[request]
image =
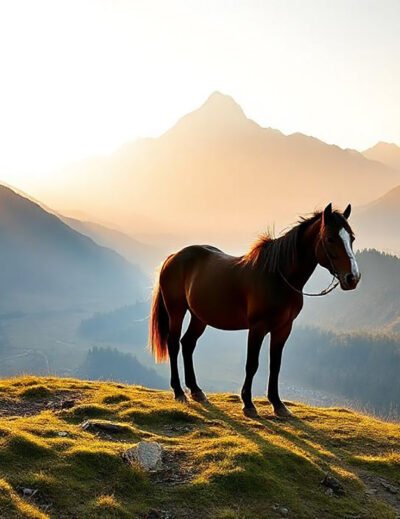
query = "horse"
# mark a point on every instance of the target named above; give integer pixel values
(261, 292)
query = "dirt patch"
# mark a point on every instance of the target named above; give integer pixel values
(177, 430)
(28, 407)
(176, 469)
(383, 489)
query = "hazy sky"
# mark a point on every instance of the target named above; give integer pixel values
(82, 77)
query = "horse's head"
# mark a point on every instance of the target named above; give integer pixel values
(335, 247)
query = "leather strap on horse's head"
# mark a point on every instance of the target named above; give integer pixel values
(332, 285)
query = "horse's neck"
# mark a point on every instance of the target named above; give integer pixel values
(306, 259)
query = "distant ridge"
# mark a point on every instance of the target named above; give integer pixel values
(385, 152)
(373, 307)
(377, 223)
(146, 256)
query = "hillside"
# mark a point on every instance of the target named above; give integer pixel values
(138, 253)
(46, 265)
(216, 169)
(216, 463)
(373, 306)
(385, 152)
(377, 223)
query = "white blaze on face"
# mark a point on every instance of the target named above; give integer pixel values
(345, 236)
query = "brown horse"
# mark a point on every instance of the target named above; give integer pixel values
(260, 291)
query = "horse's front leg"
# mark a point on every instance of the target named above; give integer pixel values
(278, 340)
(254, 342)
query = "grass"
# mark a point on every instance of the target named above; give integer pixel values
(219, 464)
(35, 391)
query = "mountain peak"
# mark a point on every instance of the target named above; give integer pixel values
(218, 113)
(222, 105)
(218, 99)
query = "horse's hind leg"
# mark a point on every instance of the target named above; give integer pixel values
(189, 341)
(176, 314)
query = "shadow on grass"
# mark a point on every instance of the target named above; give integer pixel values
(287, 470)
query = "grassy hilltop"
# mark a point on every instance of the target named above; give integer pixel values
(217, 464)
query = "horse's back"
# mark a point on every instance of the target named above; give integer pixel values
(192, 254)
(198, 251)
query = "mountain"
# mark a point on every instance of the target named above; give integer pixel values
(377, 223)
(217, 172)
(46, 265)
(215, 462)
(144, 255)
(385, 152)
(373, 306)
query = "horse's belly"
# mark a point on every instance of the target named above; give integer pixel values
(220, 307)
(222, 322)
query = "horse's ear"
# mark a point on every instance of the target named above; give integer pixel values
(347, 212)
(327, 213)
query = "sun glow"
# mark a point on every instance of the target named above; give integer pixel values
(80, 78)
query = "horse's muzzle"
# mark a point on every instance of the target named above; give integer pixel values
(349, 281)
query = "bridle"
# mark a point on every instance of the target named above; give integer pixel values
(332, 285)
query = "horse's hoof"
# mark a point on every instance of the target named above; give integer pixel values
(181, 398)
(199, 396)
(282, 412)
(250, 412)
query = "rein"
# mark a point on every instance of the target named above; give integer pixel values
(332, 285)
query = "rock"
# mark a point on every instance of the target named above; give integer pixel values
(62, 434)
(334, 484)
(159, 514)
(147, 454)
(108, 427)
(390, 488)
(281, 509)
(29, 492)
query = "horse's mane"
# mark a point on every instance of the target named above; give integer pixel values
(271, 254)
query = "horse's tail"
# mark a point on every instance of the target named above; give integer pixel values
(158, 326)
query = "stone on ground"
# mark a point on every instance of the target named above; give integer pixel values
(147, 454)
